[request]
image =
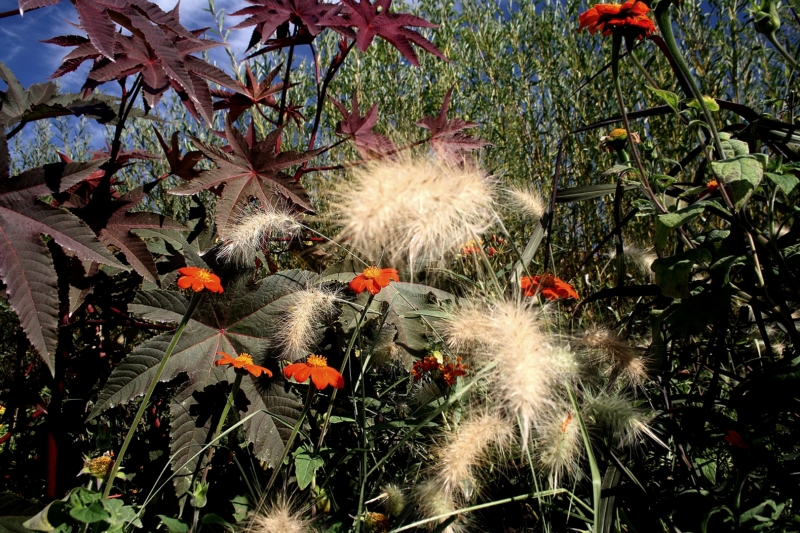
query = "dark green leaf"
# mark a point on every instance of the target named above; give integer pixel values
(672, 273)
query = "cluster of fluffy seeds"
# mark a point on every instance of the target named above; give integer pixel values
(559, 445)
(640, 258)
(626, 423)
(467, 450)
(529, 370)
(244, 239)
(414, 211)
(302, 313)
(527, 201)
(622, 359)
(279, 518)
(433, 502)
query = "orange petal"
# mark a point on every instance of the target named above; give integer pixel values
(184, 282)
(320, 378)
(189, 271)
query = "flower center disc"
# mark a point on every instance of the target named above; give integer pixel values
(547, 280)
(246, 359)
(372, 272)
(203, 275)
(317, 361)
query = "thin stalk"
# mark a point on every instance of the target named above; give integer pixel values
(772, 38)
(295, 429)
(597, 480)
(344, 364)
(521, 497)
(282, 108)
(364, 443)
(146, 400)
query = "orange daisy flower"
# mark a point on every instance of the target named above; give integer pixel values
(629, 18)
(244, 363)
(374, 279)
(317, 368)
(548, 285)
(198, 279)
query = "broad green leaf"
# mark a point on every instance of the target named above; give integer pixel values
(305, 468)
(668, 97)
(672, 273)
(89, 515)
(721, 269)
(711, 104)
(276, 410)
(682, 216)
(786, 182)
(173, 524)
(217, 520)
(741, 175)
(733, 147)
(14, 524)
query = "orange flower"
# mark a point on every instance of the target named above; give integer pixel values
(244, 362)
(550, 286)
(629, 18)
(317, 368)
(374, 279)
(198, 279)
(712, 186)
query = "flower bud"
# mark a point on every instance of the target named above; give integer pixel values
(766, 18)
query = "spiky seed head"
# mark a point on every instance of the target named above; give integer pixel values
(303, 313)
(252, 231)
(414, 210)
(467, 450)
(623, 359)
(395, 499)
(530, 367)
(527, 200)
(433, 501)
(625, 422)
(640, 258)
(279, 517)
(559, 446)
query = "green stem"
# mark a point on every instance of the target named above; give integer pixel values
(344, 364)
(664, 21)
(779, 47)
(295, 430)
(146, 400)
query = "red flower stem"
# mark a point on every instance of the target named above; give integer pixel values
(140, 413)
(286, 77)
(350, 345)
(295, 430)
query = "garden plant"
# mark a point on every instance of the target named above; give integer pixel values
(434, 267)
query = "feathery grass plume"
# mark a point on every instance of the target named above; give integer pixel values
(462, 456)
(413, 210)
(527, 200)
(432, 501)
(300, 322)
(623, 359)
(395, 499)
(279, 517)
(625, 422)
(530, 367)
(640, 258)
(559, 445)
(252, 231)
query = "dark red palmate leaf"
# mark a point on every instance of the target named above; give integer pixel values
(252, 169)
(375, 19)
(447, 136)
(268, 15)
(251, 93)
(359, 129)
(181, 166)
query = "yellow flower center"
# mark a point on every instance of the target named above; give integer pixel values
(100, 466)
(246, 359)
(618, 133)
(372, 272)
(317, 361)
(204, 275)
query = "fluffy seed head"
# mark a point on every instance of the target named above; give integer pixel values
(559, 446)
(433, 501)
(303, 313)
(249, 235)
(529, 369)
(279, 518)
(527, 200)
(395, 499)
(624, 360)
(641, 259)
(414, 210)
(467, 450)
(626, 423)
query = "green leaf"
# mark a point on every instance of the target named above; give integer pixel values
(215, 519)
(267, 402)
(711, 104)
(669, 98)
(721, 269)
(733, 147)
(672, 273)
(305, 468)
(682, 216)
(785, 182)
(173, 524)
(13, 524)
(741, 175)
(89, 515)
(587, 192)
